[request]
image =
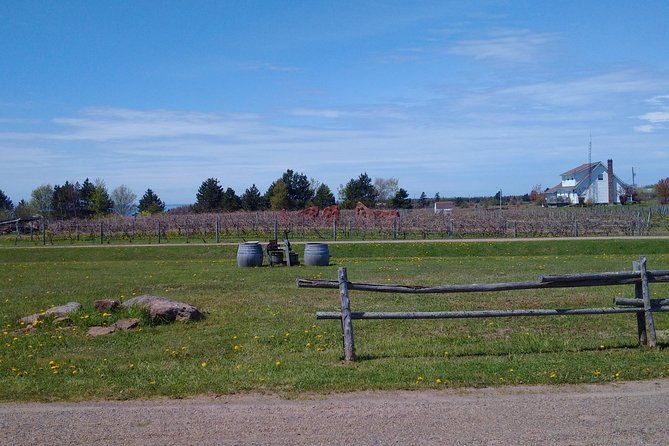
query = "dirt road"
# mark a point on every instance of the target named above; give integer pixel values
(634, 413)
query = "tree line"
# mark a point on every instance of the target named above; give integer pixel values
(291, 191)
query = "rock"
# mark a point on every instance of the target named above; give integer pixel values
(30, 320)
(165, 310)
(63, 310)
(63, 320)
(127, 324)
(103, 305)
(121, 324)
(101, 331)
(59, 311)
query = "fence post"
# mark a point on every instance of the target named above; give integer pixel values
(346, 321)
(158, 231)
(276, 230)
(102, 235)
(649, 325)
(640, 317)
(334, 230)
(43, 232)
(218, 230)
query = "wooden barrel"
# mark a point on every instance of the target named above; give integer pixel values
(249, 254)
(316, 254)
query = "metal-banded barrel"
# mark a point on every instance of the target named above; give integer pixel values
(316, 254)
(249, 254)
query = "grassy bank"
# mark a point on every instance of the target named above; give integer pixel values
(260, 333)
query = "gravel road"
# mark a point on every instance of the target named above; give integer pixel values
(635, 413)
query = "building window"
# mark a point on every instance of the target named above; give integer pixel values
(601, 177)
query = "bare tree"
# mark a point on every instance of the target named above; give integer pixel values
(124, 200)
(662, 190)
(386, 188)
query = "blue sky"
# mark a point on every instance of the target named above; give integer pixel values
(456, 97)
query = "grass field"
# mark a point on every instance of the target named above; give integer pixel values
(261, 335)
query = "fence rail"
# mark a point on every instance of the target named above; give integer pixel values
(641, 305)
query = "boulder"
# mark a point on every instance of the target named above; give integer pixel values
(165, 310)
(63, 310)
(59, 311)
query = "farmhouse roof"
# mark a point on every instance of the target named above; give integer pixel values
(444, 205)
(581, 168)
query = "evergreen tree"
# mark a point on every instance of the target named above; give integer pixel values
(360, 189)
(298, 189)
(422, 200)
(66, 201)
(401, 200)
(6, 206)
(150, 203)
(324, 196)
(209, 196)
(252, 200)
(230, 201)
(86, 191)
(99, 202)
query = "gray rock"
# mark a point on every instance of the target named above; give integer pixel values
(121, 324)
(30, 320)
(59, 311)
(165, 310)
(101, 331)
(126, 324)
(63, 310)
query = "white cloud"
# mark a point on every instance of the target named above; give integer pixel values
(644, 128)
(104, 124)
(655, 119)
(506, 46)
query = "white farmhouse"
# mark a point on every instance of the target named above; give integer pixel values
(588, 183)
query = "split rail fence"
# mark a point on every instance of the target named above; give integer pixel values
(642, 305)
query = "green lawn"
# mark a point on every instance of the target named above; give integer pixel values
(260, 333)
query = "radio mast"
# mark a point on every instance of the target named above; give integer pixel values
(593, 190)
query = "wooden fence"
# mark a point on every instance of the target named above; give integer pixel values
(642, 305)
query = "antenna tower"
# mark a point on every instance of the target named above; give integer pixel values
(592, 190)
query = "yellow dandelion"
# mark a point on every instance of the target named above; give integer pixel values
(203, 364)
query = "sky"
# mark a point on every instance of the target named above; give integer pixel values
(460, 98)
